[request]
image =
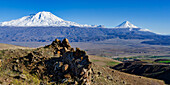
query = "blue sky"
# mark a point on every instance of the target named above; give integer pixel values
(150, 14)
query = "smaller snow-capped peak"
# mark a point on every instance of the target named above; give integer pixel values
(126, 24)
(131, 27)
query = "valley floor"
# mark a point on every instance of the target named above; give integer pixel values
(111, 48)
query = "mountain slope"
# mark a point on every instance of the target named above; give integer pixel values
(41, 19)
(130, 26)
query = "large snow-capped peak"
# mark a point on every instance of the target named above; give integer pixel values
(41, 19)
(126, 24)
(46, 16)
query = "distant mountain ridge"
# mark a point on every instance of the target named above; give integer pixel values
(78, 34)
(74, 34)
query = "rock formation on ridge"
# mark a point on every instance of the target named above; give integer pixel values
(57, 63)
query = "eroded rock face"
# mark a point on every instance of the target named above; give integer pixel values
(59, 63)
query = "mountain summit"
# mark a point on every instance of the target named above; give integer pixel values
(126, 24)
(41, 19)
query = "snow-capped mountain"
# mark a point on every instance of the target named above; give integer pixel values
(127, 24)
(42, 19)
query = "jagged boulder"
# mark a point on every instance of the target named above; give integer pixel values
(65, 67)
(79, 64)
(66, 43)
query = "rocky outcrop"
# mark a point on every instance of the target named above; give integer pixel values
(57, 63)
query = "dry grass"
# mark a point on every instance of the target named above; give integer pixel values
(103, 61)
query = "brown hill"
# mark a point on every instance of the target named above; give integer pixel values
(158, 71)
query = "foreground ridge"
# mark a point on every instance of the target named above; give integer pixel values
(58, 63)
